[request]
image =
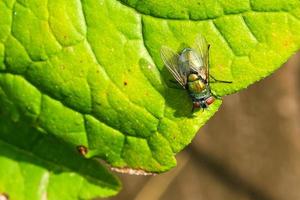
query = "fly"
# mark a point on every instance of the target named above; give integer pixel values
(190, 69)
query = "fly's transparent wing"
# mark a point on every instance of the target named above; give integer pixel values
(170, 58)
(202, 48)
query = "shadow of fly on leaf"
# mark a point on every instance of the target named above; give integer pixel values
(190, 69)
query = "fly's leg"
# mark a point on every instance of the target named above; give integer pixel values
(215, 95)
(218, 81)
(193, 108)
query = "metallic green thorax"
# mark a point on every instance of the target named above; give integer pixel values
(197, 88)
(195, 85)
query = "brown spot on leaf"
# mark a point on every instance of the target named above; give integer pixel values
(125, 83)
(82, 150)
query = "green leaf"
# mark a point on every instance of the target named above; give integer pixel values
(45, 168)
(89, 72)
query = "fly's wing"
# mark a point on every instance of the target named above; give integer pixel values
(170, 58)
(202, 48)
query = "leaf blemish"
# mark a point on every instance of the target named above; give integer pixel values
(82, 150)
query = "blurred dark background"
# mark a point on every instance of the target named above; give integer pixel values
(250, 150)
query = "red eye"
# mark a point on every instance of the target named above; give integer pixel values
(196, 104)
(209, 100)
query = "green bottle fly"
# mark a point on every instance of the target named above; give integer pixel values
(190, 69)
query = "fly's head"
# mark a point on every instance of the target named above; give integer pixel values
(203, 103)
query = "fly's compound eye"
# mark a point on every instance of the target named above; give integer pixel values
(209, 100)
(196, 104)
